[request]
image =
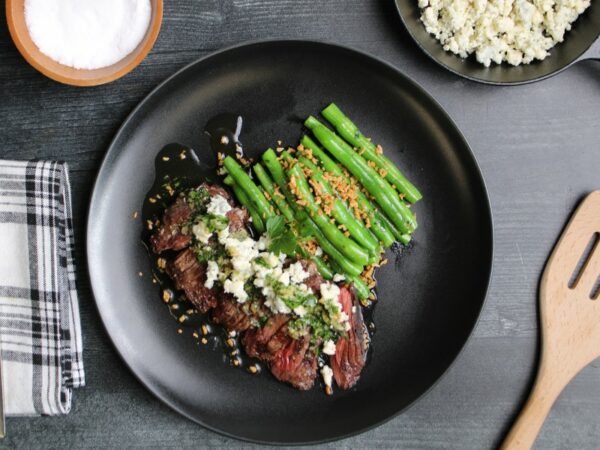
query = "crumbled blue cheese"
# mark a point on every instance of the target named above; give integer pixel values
(329, 347)
(281, 307)
(300, 311)
(297, 273)
(236, 288)
(330, 294)
(327, 375)
(338, 277)
(218, 206)
(515, 31)
(201, 232)
(212, 274)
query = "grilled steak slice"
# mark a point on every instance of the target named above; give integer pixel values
(350, 352)
(314, 279)
(231, 314)
(215, 189)
(169, 235)
(189, 276)
(295, 364)
(238, 219)
(289, 359)
(256, 341)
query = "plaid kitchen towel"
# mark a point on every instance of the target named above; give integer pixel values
(40, 331)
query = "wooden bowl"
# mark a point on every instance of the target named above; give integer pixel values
(15, 15)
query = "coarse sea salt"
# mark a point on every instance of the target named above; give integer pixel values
(87, 34)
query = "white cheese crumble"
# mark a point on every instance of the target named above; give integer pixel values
(338, 277)
(329, 347)
(300, 311)
(212, 274)
(297, 273)
(330, 294)
(327, 375)
(218, 206)
(236, 288)
(201, 232)
(515, 31)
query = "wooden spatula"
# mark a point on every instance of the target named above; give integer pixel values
(570, 318)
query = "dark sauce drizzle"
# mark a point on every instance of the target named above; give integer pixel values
(178, 168)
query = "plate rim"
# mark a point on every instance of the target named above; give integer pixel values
(112, 152)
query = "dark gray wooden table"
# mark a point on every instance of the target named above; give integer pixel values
(539, 150)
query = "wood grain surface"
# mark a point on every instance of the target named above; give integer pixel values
(539, 150)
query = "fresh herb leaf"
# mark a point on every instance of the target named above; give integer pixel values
(281, 237)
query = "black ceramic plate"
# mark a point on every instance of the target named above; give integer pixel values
(578, 45)
(428, 303)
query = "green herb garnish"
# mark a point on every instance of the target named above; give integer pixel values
(281, 237)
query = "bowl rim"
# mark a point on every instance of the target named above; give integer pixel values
(151, 36)
(461, 73)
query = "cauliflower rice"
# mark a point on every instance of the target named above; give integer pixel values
(515, 31)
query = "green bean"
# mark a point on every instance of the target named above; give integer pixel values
(345, 245)
(401, 237)
(243, 180)
(359, 232)
(269, 187)
(257, 221)
(380, 189)
(277, 172)
(344, 263)
(352, 135)
(383, 234)
(328, 164)
(362, 290)
(323, 268)
(274, 165)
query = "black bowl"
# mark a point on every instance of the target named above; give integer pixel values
(577, 46)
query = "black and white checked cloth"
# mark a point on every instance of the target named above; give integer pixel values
(40, 330)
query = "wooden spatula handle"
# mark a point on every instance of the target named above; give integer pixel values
(548, 386)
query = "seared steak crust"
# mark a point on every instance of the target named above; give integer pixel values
(255, 341)
(189, 276)
(169, 235)
(231, 314)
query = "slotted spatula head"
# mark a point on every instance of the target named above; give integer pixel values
(570, 319)
(569, 304)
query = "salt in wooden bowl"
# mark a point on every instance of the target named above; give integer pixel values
(15, 16)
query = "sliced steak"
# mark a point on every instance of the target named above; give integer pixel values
(350, 352)
(238, 219)
(169, 236)
(215, 189)
(289, 359)
(231, 314)
(314, 279)
(295, 364)
(256, 341)
(189, 276)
